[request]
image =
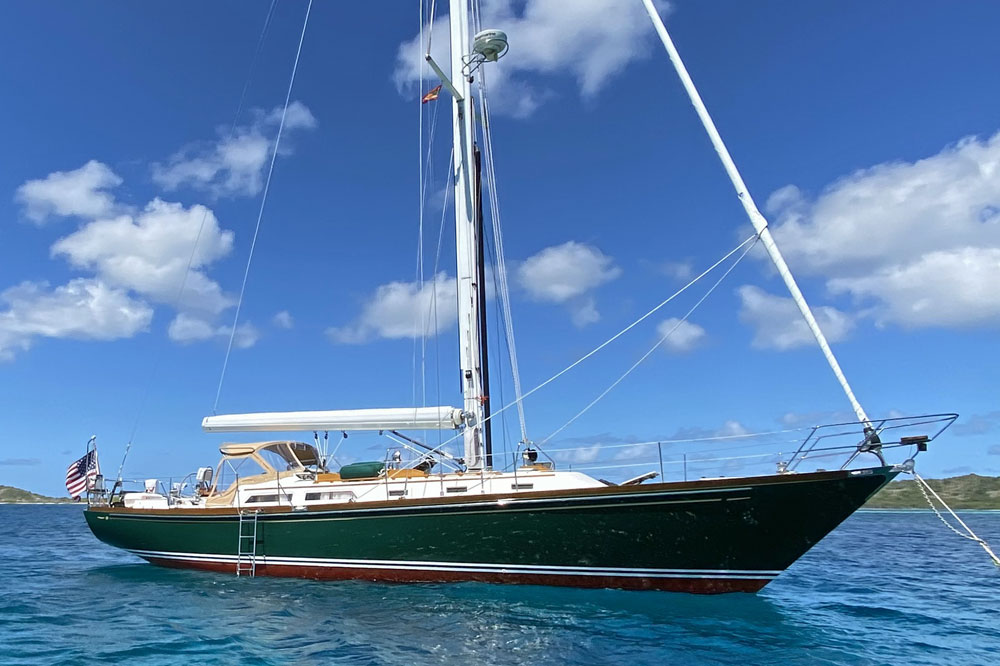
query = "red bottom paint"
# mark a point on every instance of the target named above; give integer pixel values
(691, 585)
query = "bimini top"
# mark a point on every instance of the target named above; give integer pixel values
(297, 455)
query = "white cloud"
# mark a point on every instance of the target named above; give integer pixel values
(797, 419)
(186, 328)
(283, 319)
(684, 336)
(579, 456)
(585, 313)
(682, 271)
(591, 40)
(298, 116)
(131, 254)
(635, 452)
(233, 165)
(83, 309)
(565, 274)
(397, 309)
(778, 325)
(731, 429)
(956, 287)
(149, 253)
(160, 253)
(979, 424)
(80, 192)
(915, 243)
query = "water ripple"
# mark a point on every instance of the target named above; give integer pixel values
(883, 589)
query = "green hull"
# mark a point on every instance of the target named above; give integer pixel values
(706, 536)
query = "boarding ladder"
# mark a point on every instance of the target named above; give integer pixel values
(246, 547)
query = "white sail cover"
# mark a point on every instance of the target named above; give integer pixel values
(395, 418)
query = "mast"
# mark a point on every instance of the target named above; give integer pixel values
(756, 218)
(484, 353)
(466, 239)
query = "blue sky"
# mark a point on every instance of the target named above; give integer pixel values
(867, 131)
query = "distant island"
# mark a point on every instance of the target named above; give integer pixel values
(12, 495)
(961, 492)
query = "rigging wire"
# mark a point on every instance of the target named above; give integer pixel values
(497, 319)
(699, 440)
(425, 171)
(758, 221)
(420, 198)
(654, 347)
(625, 330)
(426, 177)
(253, 66)
(500, 267)
(197, 239)
(430, 26)
(263, 203)
(617, 335)
(421, 194)
(433, 303)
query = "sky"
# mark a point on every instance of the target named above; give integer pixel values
(137, 139)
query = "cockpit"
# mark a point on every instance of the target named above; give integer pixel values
(244, 463)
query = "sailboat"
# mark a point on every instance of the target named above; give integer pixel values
(431, 516)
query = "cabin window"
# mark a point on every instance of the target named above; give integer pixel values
(231, 469)
(257, 499)
(330, 497)
(456, 489)
(522, 486)
(397, 493)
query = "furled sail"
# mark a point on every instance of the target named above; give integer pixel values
(395, 418)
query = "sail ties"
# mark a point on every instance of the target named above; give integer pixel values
(927, 491)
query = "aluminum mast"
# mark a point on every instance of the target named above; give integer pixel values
(466, 241)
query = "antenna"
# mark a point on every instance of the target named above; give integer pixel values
(491, 44)
(487, 46)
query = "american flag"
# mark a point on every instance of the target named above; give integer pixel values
(80, 475)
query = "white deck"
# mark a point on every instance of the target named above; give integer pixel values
(299, 493)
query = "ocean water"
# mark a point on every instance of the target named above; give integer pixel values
(884, 588)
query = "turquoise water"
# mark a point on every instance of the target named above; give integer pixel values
(884, 588)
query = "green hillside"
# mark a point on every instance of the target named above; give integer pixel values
(960, 492)
(12, 495)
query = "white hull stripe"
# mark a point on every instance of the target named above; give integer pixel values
(499, 505)
(507, 504)
(509, 501)
(468, 567)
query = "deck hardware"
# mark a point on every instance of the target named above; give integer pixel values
(920, 441)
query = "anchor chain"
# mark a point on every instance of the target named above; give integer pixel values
(971, 536)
